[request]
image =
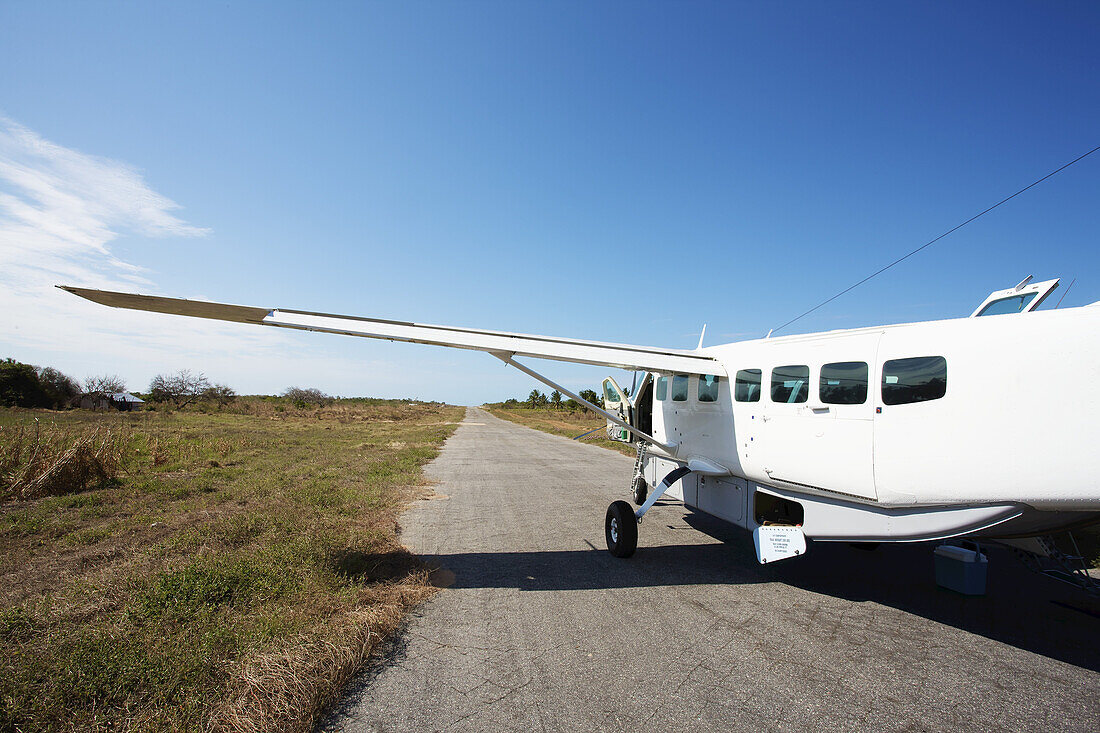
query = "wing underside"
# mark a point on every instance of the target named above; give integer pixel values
(621, 356)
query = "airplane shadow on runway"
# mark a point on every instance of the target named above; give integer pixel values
(1020, 608)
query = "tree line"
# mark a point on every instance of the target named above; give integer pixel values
(555, 401)
(26, 385)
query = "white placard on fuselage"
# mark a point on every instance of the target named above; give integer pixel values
(778, 543)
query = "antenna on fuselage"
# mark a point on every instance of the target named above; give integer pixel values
(701, 335)
(1071, 282)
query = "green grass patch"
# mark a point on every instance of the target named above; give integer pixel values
(158, 599)
(563, 422)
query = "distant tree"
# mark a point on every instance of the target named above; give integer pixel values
(220, 394)
(97, 389)
(61, 389)
(181, 388)
(104, 385)
(592, 396)
(302, 397)
(19, 385)
(572, 405)
(555, 399)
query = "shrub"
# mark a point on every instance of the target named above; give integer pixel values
(20, 386)
(301, 397)
(61, 389)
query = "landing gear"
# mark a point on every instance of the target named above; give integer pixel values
(621, 523)
(638, 487)
(621, 529)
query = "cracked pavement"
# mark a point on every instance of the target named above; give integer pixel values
(542, 629)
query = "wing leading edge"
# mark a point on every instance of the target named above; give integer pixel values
(620, 356)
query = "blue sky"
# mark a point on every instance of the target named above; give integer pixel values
(613, 171)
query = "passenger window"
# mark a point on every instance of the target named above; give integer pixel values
(680, 388)
(919, 379)
(790, 384)
(661, 391)
(746, 386)
(708, 388)
(844, 383)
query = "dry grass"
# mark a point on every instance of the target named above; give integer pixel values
(36, 463)
(562, 422)
(283, 688)
(209, 572)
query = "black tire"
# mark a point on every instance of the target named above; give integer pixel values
(620, 529)
(640, 491)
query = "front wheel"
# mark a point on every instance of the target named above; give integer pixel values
(621, 529)
(640, 490)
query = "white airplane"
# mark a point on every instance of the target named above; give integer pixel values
(984, 426)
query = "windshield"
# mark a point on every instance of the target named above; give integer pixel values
(1013, 304)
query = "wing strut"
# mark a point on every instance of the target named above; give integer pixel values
(670, 449)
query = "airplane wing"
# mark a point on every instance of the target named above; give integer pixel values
(620, 356)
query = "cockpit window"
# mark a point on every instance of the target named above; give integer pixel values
(790, 384)
(708, 388)
(918, 379)
(1014, 304)
(746, 387)
(680, 388)
(844, 383)
(660, 392)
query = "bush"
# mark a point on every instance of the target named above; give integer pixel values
(221, 394)
(20, 386)
(23, 385)
(61, 389)
(303, 397)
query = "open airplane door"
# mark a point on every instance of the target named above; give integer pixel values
(616, 401)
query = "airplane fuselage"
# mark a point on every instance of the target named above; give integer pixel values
(995, 418)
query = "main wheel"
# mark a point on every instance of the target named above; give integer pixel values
(620, 529)
(640, 491)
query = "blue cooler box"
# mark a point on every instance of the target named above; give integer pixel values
(961, 569)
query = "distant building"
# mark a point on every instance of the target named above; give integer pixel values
(121, 401)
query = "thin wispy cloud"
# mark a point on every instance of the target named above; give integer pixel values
(65, 207)
(60, 212)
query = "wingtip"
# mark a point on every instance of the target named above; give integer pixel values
(79, 292)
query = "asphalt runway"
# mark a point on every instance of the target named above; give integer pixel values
(542, 630)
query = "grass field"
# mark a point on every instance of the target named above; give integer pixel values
(562, 422)
(224, 571)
